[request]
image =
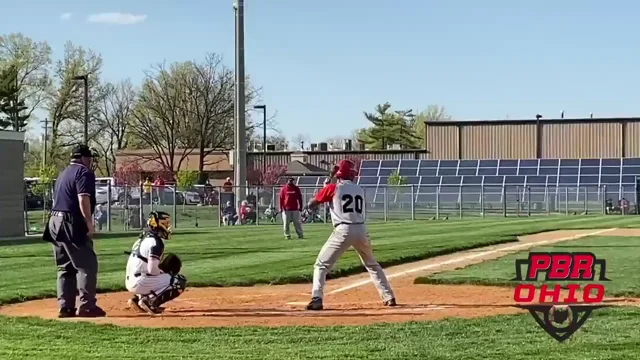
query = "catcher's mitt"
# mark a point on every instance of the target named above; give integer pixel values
(171, 264)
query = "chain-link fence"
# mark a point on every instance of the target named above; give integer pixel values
(122, 208)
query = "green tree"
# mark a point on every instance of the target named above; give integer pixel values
(395, 179)
(31, 62)
(185, 180)
(11, 105)
(389, 128)
(65, 103)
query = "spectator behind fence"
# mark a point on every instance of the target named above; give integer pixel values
(146, 188)
(247, 213)
(290, 207)
(100, 217)
(229, 214)
(158, 184)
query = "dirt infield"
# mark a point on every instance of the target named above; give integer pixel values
(349, 301)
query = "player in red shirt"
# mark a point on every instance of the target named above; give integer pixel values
(346, 205)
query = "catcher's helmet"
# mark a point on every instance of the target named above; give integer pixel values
(159, 223)
(345, 170)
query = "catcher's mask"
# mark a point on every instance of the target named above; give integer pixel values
(159, 223)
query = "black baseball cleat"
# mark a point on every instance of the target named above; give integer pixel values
(315, 304)
(94, 312)
(390, 302)
(133, 304)
(146, 305)
(66, 313)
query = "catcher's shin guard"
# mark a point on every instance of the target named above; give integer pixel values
(175, 289)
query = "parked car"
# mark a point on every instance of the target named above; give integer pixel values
(36, 202)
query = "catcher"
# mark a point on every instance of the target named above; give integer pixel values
(151, 275)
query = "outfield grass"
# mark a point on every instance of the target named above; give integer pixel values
(247, 255)
(621, 254)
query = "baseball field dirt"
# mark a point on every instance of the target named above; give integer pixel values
(349, 301)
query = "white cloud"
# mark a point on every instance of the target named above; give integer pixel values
(116, 18)
(65, 16)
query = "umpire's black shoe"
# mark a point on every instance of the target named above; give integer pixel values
(94, 312)
(66, 313)
(315, 304)
(390, 302)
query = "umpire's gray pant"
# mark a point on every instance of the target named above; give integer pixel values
(77, 266)
(289, 217)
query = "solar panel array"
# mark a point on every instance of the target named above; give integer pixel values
(452, 181)
(523, 172)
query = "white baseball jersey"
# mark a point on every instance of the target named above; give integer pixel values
(142, 250)
(346, 202)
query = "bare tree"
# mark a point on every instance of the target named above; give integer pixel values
(160, 118)
(65, 102)
(32, 61)
(300, 141)
(116, 111)
(431, 113)
(209, 104)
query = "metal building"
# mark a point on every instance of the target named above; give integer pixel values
(533, 139)
(12, 184)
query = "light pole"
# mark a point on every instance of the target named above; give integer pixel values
(240, 168)
(85, 79)
(264, 138)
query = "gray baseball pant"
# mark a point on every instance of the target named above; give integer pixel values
(287, 218)
(343, 237)
(77, 265)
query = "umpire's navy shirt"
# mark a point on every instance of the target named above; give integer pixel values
(75, 180)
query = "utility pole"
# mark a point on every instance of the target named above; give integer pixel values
(44, 142)
(240, 168)
(264, 139)
(85, 79)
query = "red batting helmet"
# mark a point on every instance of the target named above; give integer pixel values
(345, 170)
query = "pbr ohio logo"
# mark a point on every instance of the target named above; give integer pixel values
(567, 296)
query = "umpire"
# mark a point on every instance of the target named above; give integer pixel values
(70, 230)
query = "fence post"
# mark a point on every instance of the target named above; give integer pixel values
(364, 207)
(175, 208)
(413, 204)
(504, 201)
(603, 195)
(109, 207)
(518, 201)
(141, 196)
(482, 200)
(220, 207)
(566, 201)
(385, 198)
(257, 205)
(438, 202)
(528, 191)
(546, 200)
(586, 203)
(460, 200)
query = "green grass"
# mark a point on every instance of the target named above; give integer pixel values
(609, 334)
(621, 254)
(259, 254)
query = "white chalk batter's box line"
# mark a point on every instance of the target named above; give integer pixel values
(472, 256)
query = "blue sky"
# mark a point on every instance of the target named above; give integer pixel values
(322, 63)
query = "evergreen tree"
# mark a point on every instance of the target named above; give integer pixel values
(11, 106)
(389, 128)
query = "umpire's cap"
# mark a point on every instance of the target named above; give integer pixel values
(81, 151)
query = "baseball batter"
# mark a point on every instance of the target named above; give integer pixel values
(346, 204)
(153, 282)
